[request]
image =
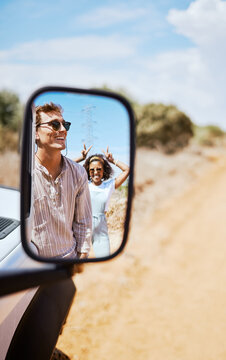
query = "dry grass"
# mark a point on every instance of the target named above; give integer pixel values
(9, 140)
(10, 169)
(116, 212)
(116, 218)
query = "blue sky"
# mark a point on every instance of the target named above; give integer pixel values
(169, 51)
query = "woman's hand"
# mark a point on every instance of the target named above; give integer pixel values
(125, 168)
(85, 151)
(108, 155)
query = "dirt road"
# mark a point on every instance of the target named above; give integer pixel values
(165, 297)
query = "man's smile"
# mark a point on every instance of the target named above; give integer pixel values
(61, 138)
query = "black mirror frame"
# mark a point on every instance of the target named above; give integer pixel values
(26, 177)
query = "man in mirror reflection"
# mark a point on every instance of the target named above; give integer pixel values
(62, 206)
(101, 186)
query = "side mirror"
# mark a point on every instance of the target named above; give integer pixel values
(78, 153)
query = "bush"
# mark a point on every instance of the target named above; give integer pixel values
(208, 135)
(163, 127)
(11, 113)
(11, 110)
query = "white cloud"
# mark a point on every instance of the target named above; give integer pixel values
(107, 16)
(181, 78)
(203, 22)
(23, 79)
(71, 49)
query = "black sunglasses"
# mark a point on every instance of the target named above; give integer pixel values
(97, 169)
(56, 124)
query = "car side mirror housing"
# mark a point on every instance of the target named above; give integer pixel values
(77, 169)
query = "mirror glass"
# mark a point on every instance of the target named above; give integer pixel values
(81, 164)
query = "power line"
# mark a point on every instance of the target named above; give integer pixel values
(88, 124)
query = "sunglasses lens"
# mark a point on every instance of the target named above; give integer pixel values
(67, 125)
(55, 125)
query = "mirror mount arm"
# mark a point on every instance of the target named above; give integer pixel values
(14, 281)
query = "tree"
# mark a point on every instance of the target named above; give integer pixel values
(11, 110)
(11, 114)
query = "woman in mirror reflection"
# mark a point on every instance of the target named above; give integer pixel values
(101, 186)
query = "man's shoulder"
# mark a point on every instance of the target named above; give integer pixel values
(75, 167)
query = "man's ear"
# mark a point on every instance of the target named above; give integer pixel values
(36, 136)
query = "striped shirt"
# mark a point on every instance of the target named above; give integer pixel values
(62, 211)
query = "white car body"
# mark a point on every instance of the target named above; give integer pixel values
(12, 256)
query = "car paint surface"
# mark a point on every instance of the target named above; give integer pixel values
(12, 257)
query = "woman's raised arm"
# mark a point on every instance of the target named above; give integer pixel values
(125, 168)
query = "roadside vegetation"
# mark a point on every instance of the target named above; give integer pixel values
(167, 129)
(163, 127)
(210, 135)
(11, 112)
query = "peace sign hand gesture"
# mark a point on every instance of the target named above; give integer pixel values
(85, 151)
(108, 155)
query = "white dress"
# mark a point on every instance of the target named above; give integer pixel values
(100, 197)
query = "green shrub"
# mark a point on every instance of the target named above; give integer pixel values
(208, 135)
(11, 110)
(11, 114)
(163, 127)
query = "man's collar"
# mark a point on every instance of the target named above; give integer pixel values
(43, 169)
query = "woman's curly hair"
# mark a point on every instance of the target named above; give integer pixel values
(108, 171)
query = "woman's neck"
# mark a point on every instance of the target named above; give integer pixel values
(96, 183)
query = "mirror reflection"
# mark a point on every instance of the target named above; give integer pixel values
(80, 175)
